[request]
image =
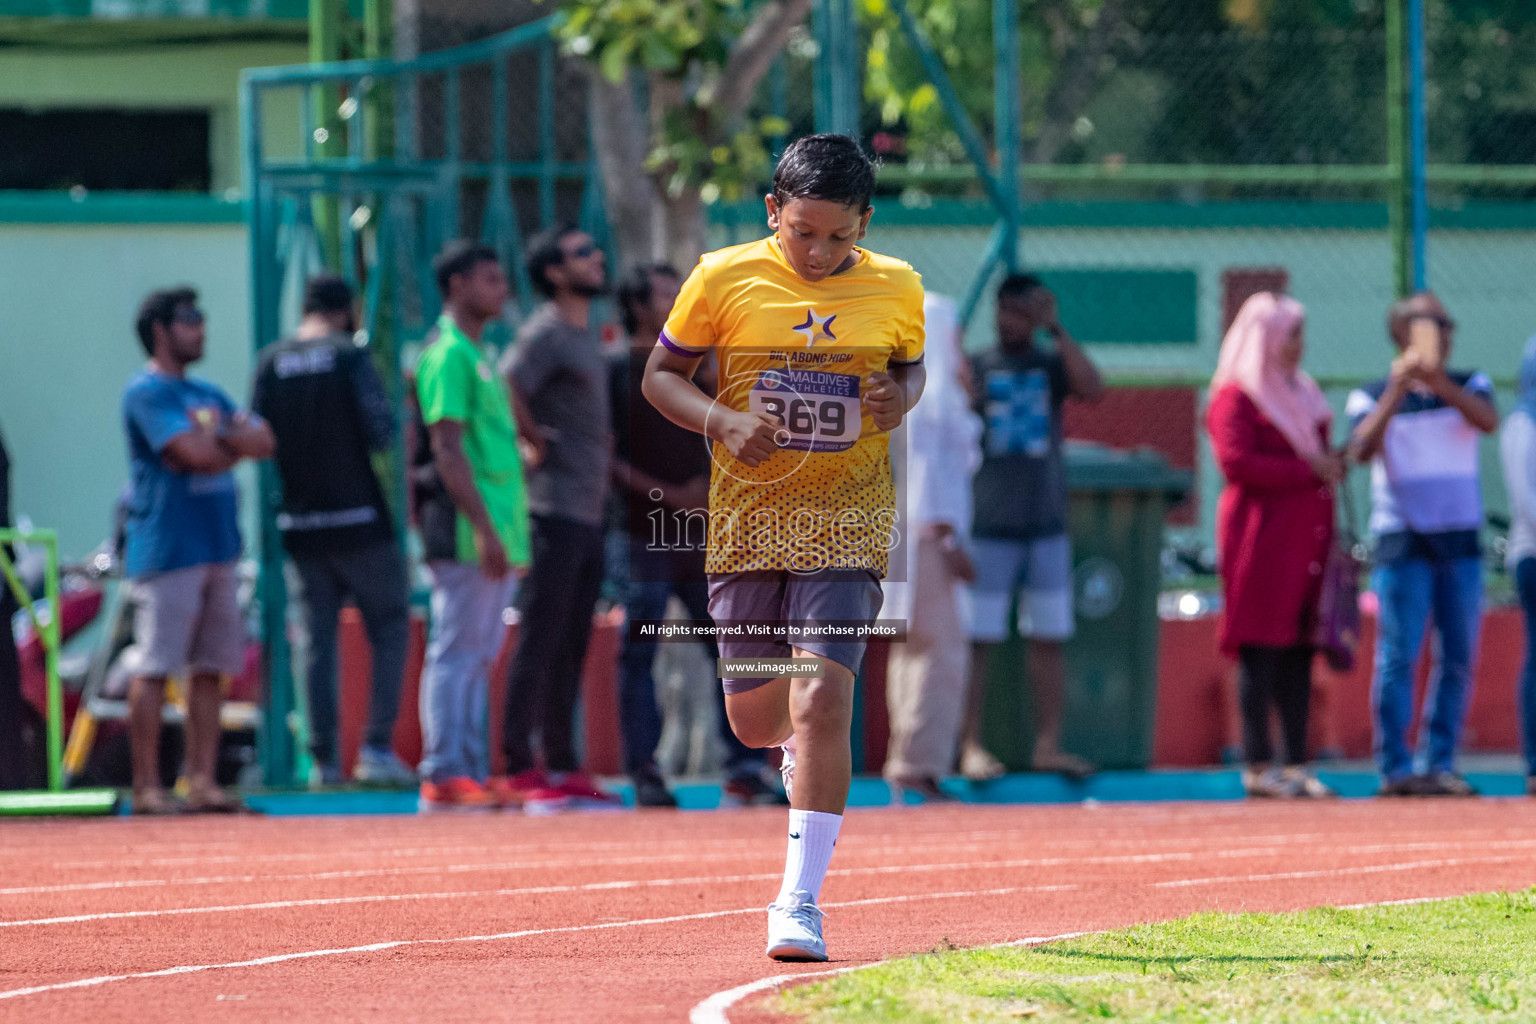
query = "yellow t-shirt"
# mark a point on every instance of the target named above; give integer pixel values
(800, 350)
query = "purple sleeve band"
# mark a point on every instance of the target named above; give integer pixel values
(675, 347)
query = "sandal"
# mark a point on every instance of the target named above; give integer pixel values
(925, 786)
(216, 801)
(156, 803)
(1062, 763)
(978, 765)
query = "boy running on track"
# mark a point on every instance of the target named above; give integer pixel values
(820, 347)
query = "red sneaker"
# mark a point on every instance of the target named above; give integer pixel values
(579, 787)
(456, 794)
(529, 792)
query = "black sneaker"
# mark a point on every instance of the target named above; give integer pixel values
(1447, 784)
(1408, 785)
(650, 791)
(749, 790)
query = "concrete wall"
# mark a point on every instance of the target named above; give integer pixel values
(67, 346)
(202, 76)
(1343, 276)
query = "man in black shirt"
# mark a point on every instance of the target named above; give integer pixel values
(327, 407)
(662, 473)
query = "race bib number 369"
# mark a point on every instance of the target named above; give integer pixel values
(819, 411)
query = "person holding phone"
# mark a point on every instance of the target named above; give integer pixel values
(1418, 427)
(1269, 424)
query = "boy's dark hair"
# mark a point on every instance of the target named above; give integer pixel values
(460, 257)
(544, 252)
(327, 293)
(828, 167)
(635, 289)
(1016, 286)
(159, 307)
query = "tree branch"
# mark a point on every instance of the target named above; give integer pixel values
(753, 55)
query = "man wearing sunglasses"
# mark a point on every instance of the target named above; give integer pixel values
(557, 367)
(1419, 428)
(184, 437)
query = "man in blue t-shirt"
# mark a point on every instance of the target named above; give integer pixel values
(1418, 427)
(184, 438)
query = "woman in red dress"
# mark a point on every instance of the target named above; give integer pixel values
(1269, 425)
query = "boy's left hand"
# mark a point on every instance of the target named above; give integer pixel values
(884, 400)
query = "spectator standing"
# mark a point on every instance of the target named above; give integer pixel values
(327, 408)
(925, 681)
(1269, 424)
(1518, 444)
(1419, 427)
(1021, 515)
(474, 528)
(12, 763)
(557, 367)
(184, 437)
(662, 471)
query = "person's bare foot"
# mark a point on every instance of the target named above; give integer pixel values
(155, 802)
(925, 786)
(1062, 763)
(978, 765)
(213, 800)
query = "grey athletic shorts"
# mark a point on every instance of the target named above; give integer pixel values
(189, 620)
(831, 595)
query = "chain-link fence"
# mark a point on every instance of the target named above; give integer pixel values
(1177, 156)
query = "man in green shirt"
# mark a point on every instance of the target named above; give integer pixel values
(476, 529)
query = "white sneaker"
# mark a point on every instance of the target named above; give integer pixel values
(382, 768)
(787, 769)
(794, 929)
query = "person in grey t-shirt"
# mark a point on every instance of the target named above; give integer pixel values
(557, 368)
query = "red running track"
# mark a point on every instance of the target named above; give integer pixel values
(639, 916)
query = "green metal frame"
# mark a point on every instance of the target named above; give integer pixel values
(47, 628)
(362, 200)
(55, 800)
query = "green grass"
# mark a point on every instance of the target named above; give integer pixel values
(1466, 959)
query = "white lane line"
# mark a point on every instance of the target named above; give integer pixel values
(758, 852)
(535, 890)
(1372, 869)
(373, 947)
(713, 1010)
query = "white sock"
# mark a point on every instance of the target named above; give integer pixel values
(789, 745)
(812, 835)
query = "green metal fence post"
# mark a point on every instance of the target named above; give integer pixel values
(325, 17)
(1399, 192)
(837, 67)
(1007, 83)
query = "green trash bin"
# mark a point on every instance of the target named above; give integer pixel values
(1117, 504)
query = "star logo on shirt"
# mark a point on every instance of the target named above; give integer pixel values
(816, 328)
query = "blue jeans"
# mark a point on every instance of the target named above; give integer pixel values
(1525, 582)
(467, 630)
(654, 576)
(1410, 592)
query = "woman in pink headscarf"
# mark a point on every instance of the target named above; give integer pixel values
(1269, 425)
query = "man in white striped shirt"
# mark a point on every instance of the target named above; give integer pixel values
(1419, 428)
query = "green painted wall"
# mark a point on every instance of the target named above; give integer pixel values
(203, 76)
(67, 346)
(69, 289)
